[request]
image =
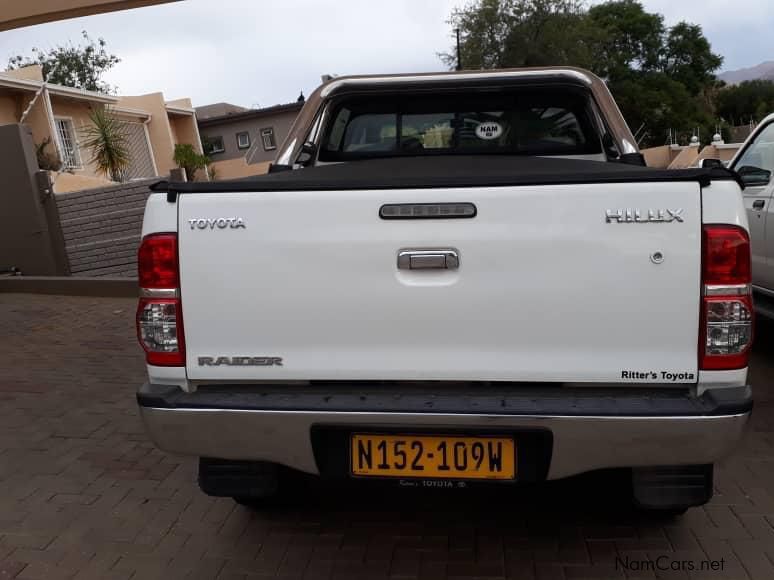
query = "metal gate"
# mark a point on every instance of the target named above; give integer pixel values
(141, 164)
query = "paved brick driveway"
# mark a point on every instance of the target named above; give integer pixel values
(83, 494)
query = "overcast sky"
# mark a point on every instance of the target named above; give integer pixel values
(260, 53)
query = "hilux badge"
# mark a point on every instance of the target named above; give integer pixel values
(629, 215)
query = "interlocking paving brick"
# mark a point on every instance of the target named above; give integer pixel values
(11, 568)
(85, 495)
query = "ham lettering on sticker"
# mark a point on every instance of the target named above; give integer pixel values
(488, 130)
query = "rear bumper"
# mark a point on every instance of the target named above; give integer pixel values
(588, 428)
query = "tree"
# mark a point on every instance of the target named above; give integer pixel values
(688, 57)
(518, 33)
(654, 104)
(746, 102)
(81, 66)
(663, 78)
(624, 38)
(187, 158)
(548, 32)
(484, 29)
(107, 141)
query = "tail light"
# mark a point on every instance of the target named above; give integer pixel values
(157, 262)
(726, 331)
(159, 314)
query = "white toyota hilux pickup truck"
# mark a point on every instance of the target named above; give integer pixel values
(453, 280)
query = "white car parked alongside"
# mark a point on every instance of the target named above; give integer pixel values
(755, 163)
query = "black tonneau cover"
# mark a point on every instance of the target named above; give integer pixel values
(450, 171)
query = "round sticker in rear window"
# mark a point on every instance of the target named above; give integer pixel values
(488, 130)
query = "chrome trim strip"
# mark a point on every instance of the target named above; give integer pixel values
(159, 293)
(335, 85)
(764, 291)
(474, 417)
(726, 289)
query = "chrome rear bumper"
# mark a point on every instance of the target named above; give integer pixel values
(195, 424)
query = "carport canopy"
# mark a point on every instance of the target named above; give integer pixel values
(16, 14)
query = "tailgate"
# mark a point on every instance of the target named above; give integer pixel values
(545, 289)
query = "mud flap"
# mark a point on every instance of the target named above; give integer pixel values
(245, 479)
(672, 487)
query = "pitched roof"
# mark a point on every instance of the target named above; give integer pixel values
(217, 110)
(19, 83)
(245, 114)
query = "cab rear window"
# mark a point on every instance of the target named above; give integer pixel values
(527, 123)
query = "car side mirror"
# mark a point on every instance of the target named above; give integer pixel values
(278, 168)
(307, 153)
(711, 162)
(754, 176)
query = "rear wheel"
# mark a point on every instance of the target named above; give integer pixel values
(671, 490)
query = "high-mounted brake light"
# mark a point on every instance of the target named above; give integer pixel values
(727, 310)
(159, 313)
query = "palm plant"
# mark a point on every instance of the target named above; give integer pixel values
(107, 141)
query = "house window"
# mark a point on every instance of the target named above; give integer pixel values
(71, 156)
(213, 145)
(243, 140)
(268, 139)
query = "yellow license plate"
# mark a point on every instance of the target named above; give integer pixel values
(431, 456)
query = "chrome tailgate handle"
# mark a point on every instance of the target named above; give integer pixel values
(429, 259)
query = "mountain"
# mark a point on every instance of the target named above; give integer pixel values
(765, 70)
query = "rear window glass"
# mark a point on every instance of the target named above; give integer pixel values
(533, 123)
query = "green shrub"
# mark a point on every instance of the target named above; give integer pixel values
(187, 158)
